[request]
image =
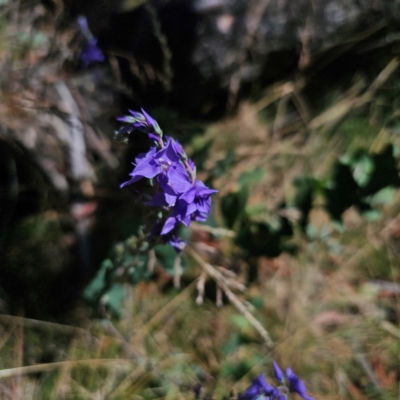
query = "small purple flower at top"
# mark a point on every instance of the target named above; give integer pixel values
(90, 53)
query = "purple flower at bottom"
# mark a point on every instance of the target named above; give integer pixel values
(297, 385)
(259, 389)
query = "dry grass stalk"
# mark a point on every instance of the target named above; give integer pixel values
(220, 280)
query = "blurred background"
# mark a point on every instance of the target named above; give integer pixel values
(290, 109)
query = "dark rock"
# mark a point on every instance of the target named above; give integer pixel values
(201, 56)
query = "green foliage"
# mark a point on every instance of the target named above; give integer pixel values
(233, 206)
(112, 299)
(99, 283)
(251, 178)
(257, 239)
(357, 178)
(222, 167)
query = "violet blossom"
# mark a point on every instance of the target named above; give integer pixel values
(90, 52)
(260, 389)
(176, 191)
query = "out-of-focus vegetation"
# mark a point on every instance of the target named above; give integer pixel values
(304, 241)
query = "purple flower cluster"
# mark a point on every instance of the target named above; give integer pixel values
(90, 53)
(173, 176)
(260, 389)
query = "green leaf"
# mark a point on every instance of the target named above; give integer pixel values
(371, 215)
(257, 302)
(139, 271)
(233, 206)
(221, 167)
(240, 321)
(251, 178)
(231, 344)
(362, 170)
(98, 283)
(113, 298)
(381, 197)
(166, 256)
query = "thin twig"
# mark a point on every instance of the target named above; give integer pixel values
(177, 271)
(32, 369)
(200, 288)
(219, 279)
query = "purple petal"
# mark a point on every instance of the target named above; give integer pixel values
(177, 243)
(178, 147)
(203, 190)
(278, 372)
(91, 53)
(158, 200)
(204, 205)
(170, 199)
(83, 26)
(145, 157)
(260, 381)
(125, 129)
(178, 179)
(137, 115)
(189, 196)
(127, 119)
(170, 153)
(152, 122)
(145, 170)
(252, 392)
(169, 225)
(184, 210)
(154, 137)
(199, 217)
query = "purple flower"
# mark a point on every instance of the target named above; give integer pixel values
(143, 122)
(164, 165)
(176, 242)
(278, 372)
(194, 205)
(152, 123)
(172, 175)
(90, 53)
(296, 385)
(136, 119)
(84, 27)
(259, 387)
